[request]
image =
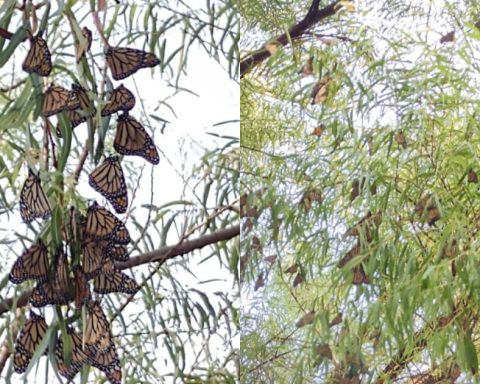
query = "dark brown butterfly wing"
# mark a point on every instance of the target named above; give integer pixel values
(102, 224)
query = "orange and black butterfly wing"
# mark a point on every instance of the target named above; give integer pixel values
(118, 252)
(105, 357)
(45, 294)
(108, 180)
(121, 99)
(93, 254)
(123, 62)
(114, 281)
(150, 60)
(84, 102)
(33, 201)
(38, 58)
(78, 359)
(29, 338)
(97, 324)
(131, 139)
(32, 264)
(102, 224)
(57, 99)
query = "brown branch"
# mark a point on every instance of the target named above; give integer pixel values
(81, 162)
(160, 255)
(313, 16)
(399, 362)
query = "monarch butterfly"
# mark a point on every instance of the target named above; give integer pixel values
(27, 341)
(93, 254)
(33, 202)
(121, 99)
(82, 48)
(58, 99)
(79, 355)
(32, 264)
(97, 324)
(102, 224)
(124, 62)
(112, 280)
(108, 180)
(38, 58)
(132, 139)
(118, 252)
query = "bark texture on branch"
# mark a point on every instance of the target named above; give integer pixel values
(160, 255)
(313, 16)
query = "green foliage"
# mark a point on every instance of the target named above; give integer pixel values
(406, 289)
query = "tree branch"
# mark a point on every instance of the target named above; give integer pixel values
(313, 16)
(400, 361)
(160, 255)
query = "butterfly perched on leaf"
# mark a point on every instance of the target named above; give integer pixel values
(57, 99)
(131, 139)
(121, 99)
(124, 62)
(108, 180)
(32, 264)
(33, 201)
(102, 224)
(28, 339)
(38, 58)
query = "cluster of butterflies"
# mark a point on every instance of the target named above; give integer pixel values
(101, 239)
(93, 241)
